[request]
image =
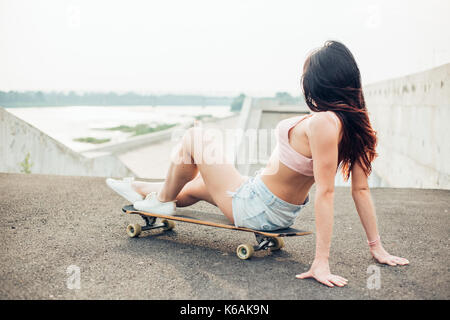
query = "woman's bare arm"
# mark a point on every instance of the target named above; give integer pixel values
(323, 139)
(366, 211)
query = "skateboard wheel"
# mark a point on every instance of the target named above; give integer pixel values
(279, 243)
(134, 230)
(168, 225)
(245, 251)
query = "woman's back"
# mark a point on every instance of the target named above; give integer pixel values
(289, 172)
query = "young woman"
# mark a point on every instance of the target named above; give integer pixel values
(310, 149)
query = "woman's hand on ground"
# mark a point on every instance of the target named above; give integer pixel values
(382, 256)
(320, 270)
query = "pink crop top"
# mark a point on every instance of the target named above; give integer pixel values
(286, 154)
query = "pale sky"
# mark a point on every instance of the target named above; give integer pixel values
(208, 46)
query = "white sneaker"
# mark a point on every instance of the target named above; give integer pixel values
(124, 188)
(153, 205)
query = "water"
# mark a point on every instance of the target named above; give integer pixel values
(67, 123)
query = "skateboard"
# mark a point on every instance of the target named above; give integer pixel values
(267, 240)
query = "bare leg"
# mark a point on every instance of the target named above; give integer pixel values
(194, 191)
(182, 170)
(218, 176)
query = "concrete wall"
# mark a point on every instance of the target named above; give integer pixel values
(48, 156)
(412, 117)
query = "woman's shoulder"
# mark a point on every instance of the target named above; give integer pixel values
(290, 122)
(323, 120)
(323, 128)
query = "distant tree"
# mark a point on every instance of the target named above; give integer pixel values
(284, 97)
(236, 104)
(53, 98)
(39, 96)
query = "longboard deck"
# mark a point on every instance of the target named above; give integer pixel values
(214, 220)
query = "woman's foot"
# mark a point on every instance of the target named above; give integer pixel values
(152, 204)
(124, 188)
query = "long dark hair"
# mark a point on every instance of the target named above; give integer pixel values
(331, 81)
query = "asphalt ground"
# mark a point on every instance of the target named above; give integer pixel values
(53, 226)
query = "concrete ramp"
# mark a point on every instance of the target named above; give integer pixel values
(44, 239)
(24, 148)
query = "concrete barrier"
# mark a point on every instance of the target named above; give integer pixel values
(24, 148)
(412, 115)
(140, 141)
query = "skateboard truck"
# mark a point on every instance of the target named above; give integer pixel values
(264, 242)
(135, 229)
(245, 251)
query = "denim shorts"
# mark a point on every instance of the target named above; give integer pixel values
(256, 207)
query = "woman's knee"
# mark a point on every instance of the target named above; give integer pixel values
(204, 146)
(194, 143)
(184, 151)
(188, 141)
(191, 136)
